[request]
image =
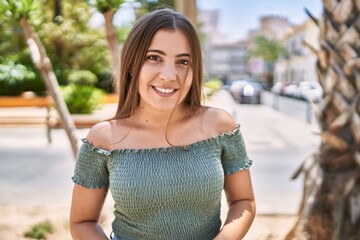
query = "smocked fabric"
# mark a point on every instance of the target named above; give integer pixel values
(164, 193)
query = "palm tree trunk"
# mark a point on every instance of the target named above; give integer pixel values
(44, 65)
(188, 8)
(330, 207)
(113, 45)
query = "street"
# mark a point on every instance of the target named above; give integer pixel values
(277, 143)
(34, 172)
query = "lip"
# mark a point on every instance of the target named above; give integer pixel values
(164, 94)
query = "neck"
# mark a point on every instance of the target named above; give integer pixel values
(157, 119)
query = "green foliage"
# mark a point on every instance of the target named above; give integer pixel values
(80, 95)
(267, 49)
(82, 99)
(107, 5)
(40, 230)
(12, 43)
(82, 78)
(105, 81)
(122, 32)
(17, 9)
(212, 86)
(17, 78)
(150, 5)
(73, 45)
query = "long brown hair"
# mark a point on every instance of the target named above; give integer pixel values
(133, 55)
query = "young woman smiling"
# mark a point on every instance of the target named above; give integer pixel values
(165, 158)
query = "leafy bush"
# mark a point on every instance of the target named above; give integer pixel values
(40, 230)
(73, 44)
(212, 86)
(82, 99)
(105, 81)
(17, 78)
(82, 78)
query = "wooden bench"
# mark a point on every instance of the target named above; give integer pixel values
(26, 111)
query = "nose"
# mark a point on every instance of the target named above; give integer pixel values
(168, 72)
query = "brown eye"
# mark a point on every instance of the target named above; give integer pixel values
(184, 62)
(153, 58)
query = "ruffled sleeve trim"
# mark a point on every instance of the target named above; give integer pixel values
(96, 149)
(234, 156)
(212, 140)
(246, 165)
(91, 168)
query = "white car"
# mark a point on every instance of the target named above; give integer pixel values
(310, 91)
(246, 92)
(291, 90)
(278, 88)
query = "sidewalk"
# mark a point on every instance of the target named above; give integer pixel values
(35, 177)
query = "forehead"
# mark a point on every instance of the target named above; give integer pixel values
(171, 41)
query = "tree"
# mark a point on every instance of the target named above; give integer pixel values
(108, 9)
(150, 5)
(188, 8)
(269, 51)
(23, 11)
(330, 207)
(72, 44)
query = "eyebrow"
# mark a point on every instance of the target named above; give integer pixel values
(163, 53)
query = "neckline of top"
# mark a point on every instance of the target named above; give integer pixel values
(171, 148)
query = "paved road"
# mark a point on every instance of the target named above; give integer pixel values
(278, 143)
(34, 172)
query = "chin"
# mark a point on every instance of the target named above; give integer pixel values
(164, 107)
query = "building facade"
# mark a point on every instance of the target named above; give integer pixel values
(299, 64)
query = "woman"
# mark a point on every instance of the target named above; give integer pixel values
(164, 156)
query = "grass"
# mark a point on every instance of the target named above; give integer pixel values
(40, 230)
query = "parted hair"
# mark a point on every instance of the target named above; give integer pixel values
(133, 55)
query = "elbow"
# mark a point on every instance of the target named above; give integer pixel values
(74, 230)
(86, 230)
(247, 205)
(77, 229)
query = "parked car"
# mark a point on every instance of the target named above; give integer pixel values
(278, 88)
(246, 92)
(310, 91)
(291, 90)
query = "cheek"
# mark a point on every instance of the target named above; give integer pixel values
(145, 76)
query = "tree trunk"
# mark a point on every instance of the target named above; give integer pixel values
(188, 8)
(330, 207)
(113, 45)
(42, 62)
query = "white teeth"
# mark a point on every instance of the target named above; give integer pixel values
(164, 90)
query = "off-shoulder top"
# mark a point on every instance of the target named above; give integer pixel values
(164, 193)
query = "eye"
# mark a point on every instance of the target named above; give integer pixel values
(153, 58)
(183, 62)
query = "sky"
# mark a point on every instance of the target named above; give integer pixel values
(237, 17)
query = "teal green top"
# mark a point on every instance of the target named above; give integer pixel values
(164, 193)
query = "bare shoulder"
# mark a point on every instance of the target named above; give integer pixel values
(100, 134)
(218, 121)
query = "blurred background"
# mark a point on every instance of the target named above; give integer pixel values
(58, 64)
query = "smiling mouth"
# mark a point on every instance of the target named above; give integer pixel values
(165, 90)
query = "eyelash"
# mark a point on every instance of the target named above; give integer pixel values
(158, 58)
(182, 61)
(153, 58)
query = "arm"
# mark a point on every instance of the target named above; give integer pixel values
(85, 213)
(240, 197)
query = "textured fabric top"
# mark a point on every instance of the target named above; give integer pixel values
(164, 193)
